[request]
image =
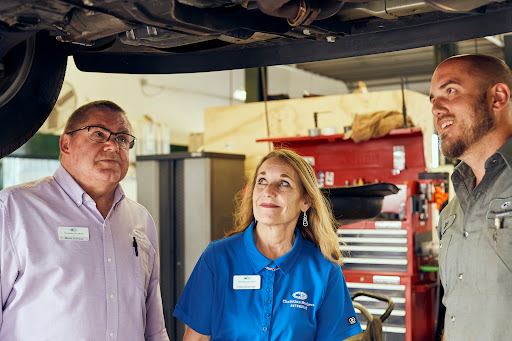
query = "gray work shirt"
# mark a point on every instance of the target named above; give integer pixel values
(475, 257)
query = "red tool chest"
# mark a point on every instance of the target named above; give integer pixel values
(385, 253)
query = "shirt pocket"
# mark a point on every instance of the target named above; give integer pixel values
(504, 243)
(143, 263)
(496, 262)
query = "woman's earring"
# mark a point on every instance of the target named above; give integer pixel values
(305, 222)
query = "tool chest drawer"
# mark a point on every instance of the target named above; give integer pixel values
(374, 249)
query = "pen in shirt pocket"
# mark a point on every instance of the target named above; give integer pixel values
(498, 223)
(135, 247)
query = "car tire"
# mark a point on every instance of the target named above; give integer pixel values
(33, 74)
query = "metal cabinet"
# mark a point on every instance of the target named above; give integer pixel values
(191, 198)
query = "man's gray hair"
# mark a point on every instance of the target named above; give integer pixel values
(81, 115)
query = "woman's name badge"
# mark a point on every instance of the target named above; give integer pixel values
(241, 282)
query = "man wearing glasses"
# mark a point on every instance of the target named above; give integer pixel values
(79, 260)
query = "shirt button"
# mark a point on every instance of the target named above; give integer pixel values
(461, 276)
(269, 289)
(265, 329)
(267, 315)
(452, 318)
(111, 296)
(78, 202)
(87, 198)
(109, 259)
(440, 245)
(111, 334)
(269, 301)
(466, 234)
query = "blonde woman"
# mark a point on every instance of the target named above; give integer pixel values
(277, 274)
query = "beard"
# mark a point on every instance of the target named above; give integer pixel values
(481, 122)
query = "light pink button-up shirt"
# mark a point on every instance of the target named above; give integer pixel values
(53, 288)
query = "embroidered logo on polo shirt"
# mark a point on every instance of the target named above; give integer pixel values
(352, 320)
(299, 301)
(300, 295)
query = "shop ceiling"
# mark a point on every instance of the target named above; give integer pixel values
(385, 69)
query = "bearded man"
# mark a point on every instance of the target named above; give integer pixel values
(470, 96)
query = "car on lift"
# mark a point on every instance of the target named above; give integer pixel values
(180, 36)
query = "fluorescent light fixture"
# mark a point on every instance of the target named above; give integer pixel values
(435, 151)
(496, 40)
(240, 94)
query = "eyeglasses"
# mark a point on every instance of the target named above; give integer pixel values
(101, 135)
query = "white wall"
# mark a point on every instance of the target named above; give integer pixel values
(179, 100)
(284, 79)
(176, 100)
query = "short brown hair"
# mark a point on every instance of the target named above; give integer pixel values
(81, 115)
(488, 69)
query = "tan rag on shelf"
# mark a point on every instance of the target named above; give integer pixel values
(377, 124)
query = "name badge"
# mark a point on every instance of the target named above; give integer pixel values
(80, 234)
(246, 282)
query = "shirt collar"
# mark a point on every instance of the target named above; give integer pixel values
(75, 192)
(284, 263)
(463, 172)
(506, 152)
(118, 195)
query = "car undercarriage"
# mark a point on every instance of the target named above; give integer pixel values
(179, 36)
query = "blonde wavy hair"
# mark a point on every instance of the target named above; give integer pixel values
(322, 227)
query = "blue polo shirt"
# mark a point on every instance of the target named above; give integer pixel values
(236, 293)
